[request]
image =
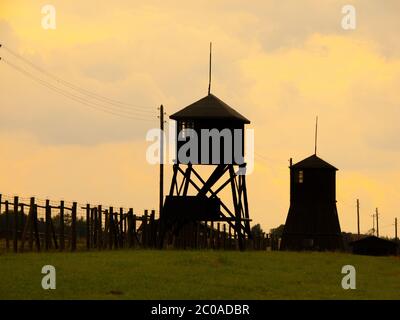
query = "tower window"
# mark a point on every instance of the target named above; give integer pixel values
(184, 125)
(301, 176)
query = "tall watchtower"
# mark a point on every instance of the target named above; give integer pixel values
(312, 221)
(209, 133)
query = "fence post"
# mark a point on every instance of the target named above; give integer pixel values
(129, 231)
(100, 228)
(111, 227)
(47, 225)
(116, 231)
(106, 228)
(94, 228)
(125, 227)
(121, 228)
(88, 226)
(15, 232)
(134, 230)
(73, 226)
(91, 227)
(62, 236)
(32, 220)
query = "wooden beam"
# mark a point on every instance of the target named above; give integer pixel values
(62, 227)
(32, 219)
(15, 229)
(47, 225)
(111, 228)
(100, 228)
(88, 226)
(73, 226)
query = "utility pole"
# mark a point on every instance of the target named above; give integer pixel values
(209, 71)
(395, 229)
(358, 218)
(316, 136)
(161, 200)
(377, 222)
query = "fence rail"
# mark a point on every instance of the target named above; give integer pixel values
(44, 225)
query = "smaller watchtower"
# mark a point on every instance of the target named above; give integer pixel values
(312, 222)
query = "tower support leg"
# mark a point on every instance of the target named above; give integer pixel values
(238, 218)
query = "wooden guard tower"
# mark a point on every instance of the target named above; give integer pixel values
(312, 222)
(193, 198)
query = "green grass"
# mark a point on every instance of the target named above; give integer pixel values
(148, 274)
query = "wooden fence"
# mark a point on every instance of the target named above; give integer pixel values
(217, 236)
(42, 225)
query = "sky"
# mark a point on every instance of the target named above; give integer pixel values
(279, 63)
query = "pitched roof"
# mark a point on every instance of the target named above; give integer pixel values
(313, 162)
(373, 240)
(209, 107)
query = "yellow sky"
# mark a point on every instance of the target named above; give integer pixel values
(279, 63)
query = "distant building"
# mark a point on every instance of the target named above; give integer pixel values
(374, 246)
(312, 222)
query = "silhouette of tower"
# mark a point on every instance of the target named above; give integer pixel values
(193, 198)
(312, 222)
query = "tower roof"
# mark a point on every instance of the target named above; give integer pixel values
(209, 107)
(313, 162)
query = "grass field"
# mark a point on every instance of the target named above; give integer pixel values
(148, 274)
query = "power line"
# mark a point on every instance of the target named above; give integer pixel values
(386, 226)
(82, 100)
(72, 96)
(114, 107)
(267, 159)
(113, 102)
